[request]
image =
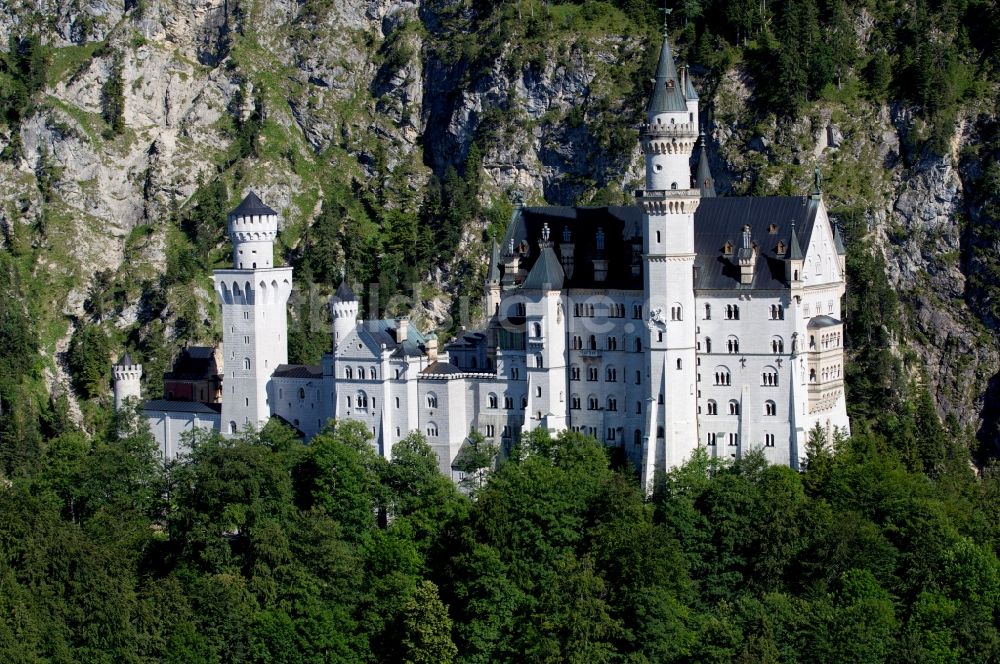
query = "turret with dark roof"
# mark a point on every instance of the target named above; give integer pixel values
(251, 205)
(344, 293)
(668, 96)
(706, 184)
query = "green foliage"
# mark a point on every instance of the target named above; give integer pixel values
(89, 360)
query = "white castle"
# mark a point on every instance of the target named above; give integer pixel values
(686, 320)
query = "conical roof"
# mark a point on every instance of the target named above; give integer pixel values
(126, 360)
(706, 183)
(546, 273)
(252, 206)
(344, 293)
(689, 88)
(838, 241)
(494, 269)
(794, 250)
(667, 95)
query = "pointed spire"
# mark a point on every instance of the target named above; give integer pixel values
(126, 360)
(689, 91)
(494, 270)
(344, 293)
(794, 250)
(838, 241)
(706, 183)
(667, 97)
(252, 206)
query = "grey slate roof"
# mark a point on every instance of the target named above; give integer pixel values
(666, 98)
(818, 322)
(795, 249)
(689, 88)
(167, 406)
(494, 270)
(298, 371)
(838, 241)
(251, 205)
(439, 368)
(125, 361)
(622, 226)
(546, 273)
(716, 221)
(721, 220)
(706, 183)
(194, 363)
(383, 332)
(344, 293)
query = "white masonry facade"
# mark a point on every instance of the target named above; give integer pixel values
(687, 320)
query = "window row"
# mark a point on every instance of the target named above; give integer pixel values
(712, 407)
(372, 373)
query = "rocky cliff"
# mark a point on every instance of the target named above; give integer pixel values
(357, 108)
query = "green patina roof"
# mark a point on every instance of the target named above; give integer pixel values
(667, 95)
(546, 273)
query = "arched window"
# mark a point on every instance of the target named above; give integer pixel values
(524, 402)
(732, 312)
(302, 393)
(371, 373)
(733, 344)
(678, 363)
(611, 374)
(612, 404)
(769, 377)
(734, 407)
(232, 426)
(574, 402)
(362, 400)
(432, 430)
(708, 311)
(777, 345)
(770, 409)
(593, 342)
(593, 403)
(432, 400)
(574, 373)
(612, 343)
(708, 345)
(722, 376)
(246, 363)
(348, 373)
(492, 400)
(361, 373)
(539, 362)
(536, 329)
(713, 407)
(676, 311)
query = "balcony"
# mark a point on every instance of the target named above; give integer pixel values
(668, 130)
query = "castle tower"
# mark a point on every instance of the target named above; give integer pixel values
(344, 310)
(253, 296)
(127, 375)
(492, 285)
(669, 201)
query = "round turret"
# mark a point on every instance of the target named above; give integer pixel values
(344, 309)
(253, 227)
(127, 377)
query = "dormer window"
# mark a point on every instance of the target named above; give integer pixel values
(772, 229)
(727, 249)
(781, 248)
(670, 84)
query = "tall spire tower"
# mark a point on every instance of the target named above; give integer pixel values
(254, 326)
(669, 201)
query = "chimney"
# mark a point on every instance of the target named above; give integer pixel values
(746, 257)
(432, 347)
(402, 329)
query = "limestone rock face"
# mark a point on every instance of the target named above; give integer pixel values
(353, 91)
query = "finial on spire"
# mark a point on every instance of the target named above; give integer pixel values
(666, 12)
(545, 232)
(517, 198)
(817, 182)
